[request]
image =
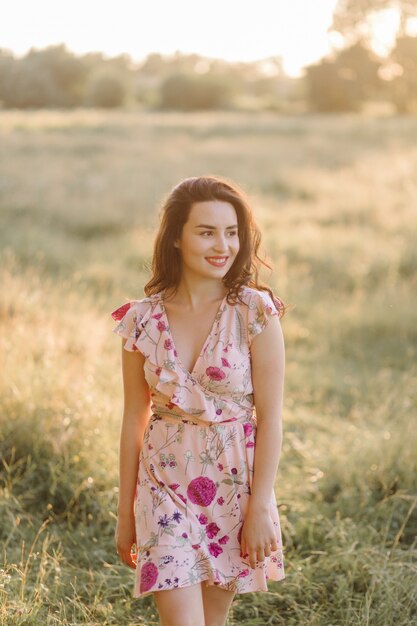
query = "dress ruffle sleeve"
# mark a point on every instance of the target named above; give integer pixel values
(129, 317)
(261, 308)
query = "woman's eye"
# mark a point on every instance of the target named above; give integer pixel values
(209, 232)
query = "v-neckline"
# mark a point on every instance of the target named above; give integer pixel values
(168, 328)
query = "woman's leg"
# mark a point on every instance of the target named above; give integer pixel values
(216, 602)
(180, 607)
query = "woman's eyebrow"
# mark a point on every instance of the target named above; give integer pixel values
(213, 227)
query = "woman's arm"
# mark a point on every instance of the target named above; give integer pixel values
(136, 415)
(268, 368)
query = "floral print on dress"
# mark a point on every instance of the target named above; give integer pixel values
(197, 458)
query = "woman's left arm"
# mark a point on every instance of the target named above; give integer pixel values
(268, 369)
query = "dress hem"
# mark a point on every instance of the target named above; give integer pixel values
(211, 583)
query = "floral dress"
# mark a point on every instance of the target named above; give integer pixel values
(196, 461)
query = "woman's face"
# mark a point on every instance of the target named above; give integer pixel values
(209, 241)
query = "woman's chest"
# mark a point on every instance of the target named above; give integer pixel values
(191, 333)
(223, 366)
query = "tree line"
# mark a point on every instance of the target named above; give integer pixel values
(54, 77)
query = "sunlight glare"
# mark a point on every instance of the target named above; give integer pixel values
(384, 26)
(231, 31)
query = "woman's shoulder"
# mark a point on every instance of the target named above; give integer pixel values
(259, 301)
(131, 319)
(253, 297)
(260, 308)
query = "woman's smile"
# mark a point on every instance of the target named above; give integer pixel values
(218, 261)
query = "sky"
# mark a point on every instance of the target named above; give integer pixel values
(234, 30)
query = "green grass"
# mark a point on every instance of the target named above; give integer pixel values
(335, 197)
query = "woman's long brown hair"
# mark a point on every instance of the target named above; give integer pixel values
(174, 212)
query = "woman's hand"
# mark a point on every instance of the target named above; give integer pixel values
(125, 537)
(258, 538)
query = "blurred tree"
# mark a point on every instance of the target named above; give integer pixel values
(327, 90)
(6, 67)
(54, 77)
(67, 71)
(51, 77)
(344, 82)
(264, 80)
(403, 87)
(399, 74)
(106, 90)
(189, 92)
(154, 64)
(360, 64)
(351, 17)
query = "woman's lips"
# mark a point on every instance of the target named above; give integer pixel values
(217, 261)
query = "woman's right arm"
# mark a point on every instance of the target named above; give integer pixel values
(136, 414)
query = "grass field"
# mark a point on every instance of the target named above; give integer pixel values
(336, 198)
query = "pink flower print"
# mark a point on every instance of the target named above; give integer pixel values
(157, 316)
(202, 519)
(174, 486)
(212, 529)
(201, 491)
(219, 467)
(183, 498)
(215, 373)
(248, 428)
(225, 362)
(224, 539)
(220, 500)
(148, 576)
(119, 313)
(161, 326)
(172, 461)
(196, 546)
(244, 573)
(215, 549)
(250, 444)
(158, 370)
(168, 344)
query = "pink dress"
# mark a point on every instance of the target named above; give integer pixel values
(196, 462)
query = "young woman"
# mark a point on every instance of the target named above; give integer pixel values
(203, 375)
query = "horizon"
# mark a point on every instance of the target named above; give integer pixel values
(271, 29)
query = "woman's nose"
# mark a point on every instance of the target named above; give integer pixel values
(221, 243)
